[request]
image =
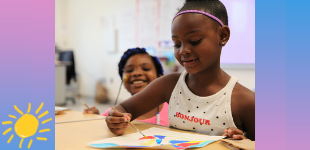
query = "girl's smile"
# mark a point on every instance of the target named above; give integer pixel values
(139, 71)
(137, 83)
(189, 62)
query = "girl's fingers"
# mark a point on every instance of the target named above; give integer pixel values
(92, 110)
(115, 113)
(127, 116)
(112, 119)
(85, 111)
(233, 130)
(235, 133)
(226, 130)
(118, 131)
(238, 137)
(117, 125)
(117, 122)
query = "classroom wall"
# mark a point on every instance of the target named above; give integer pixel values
(82, 31)
(79, 27)
(246, 76)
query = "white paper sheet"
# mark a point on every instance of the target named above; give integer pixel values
(61, 108)
(163, 138)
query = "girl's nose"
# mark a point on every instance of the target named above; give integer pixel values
(184, 51)
(137, 72)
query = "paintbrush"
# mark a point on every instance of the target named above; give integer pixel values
(131, 124)
(84, 104)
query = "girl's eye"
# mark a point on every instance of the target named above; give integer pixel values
(146, 69)
(128, 71)
(195, 42)
(177, 46)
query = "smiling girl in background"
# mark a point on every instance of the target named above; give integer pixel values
(137, 69)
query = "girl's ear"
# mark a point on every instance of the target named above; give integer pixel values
(224, 35)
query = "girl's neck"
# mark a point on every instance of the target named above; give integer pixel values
(210, 76)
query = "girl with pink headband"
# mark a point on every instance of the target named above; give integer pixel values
(203, 98)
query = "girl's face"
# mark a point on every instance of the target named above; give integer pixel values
(197, 42)
(139, 71)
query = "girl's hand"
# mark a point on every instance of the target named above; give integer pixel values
(92, 110)
(234, 133)
(117, 122)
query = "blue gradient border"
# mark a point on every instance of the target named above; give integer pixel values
(27, 39)
(270, 74)
(297, 74)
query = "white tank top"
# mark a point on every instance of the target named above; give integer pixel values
(209, 115)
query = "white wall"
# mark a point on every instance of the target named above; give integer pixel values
(60, 23)
(246, 76)
(78, 26)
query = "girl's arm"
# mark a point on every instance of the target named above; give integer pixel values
(248, 117)
(154, 94)
(243, 107)
(243, 112)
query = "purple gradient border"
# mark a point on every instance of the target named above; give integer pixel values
(27, 69)
(27, 39)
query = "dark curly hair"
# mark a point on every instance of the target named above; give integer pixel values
(214, 7)
(133, 51)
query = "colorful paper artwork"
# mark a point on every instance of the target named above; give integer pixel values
(148, 137)
(157, 138)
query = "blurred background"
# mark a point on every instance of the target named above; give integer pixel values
(92, 35)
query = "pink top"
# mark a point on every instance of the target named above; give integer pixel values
(164, 120)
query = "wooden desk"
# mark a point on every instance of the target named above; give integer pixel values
(75, 135)
(75, 116)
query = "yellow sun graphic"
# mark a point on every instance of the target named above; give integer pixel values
(27, 125)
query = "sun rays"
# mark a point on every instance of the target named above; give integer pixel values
(44, 130)
(12, 116)
(26, 125)
(10, 138)
(39, 108)
(47, 120)
(43, 114)
(7, 122)
(18, 110)
(6, 131)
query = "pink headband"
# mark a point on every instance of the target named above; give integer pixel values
(200, 12)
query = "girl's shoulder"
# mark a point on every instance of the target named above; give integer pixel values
(170, 79)
(167, 83)
(243, 93)
(242, 98)
(172, 76)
